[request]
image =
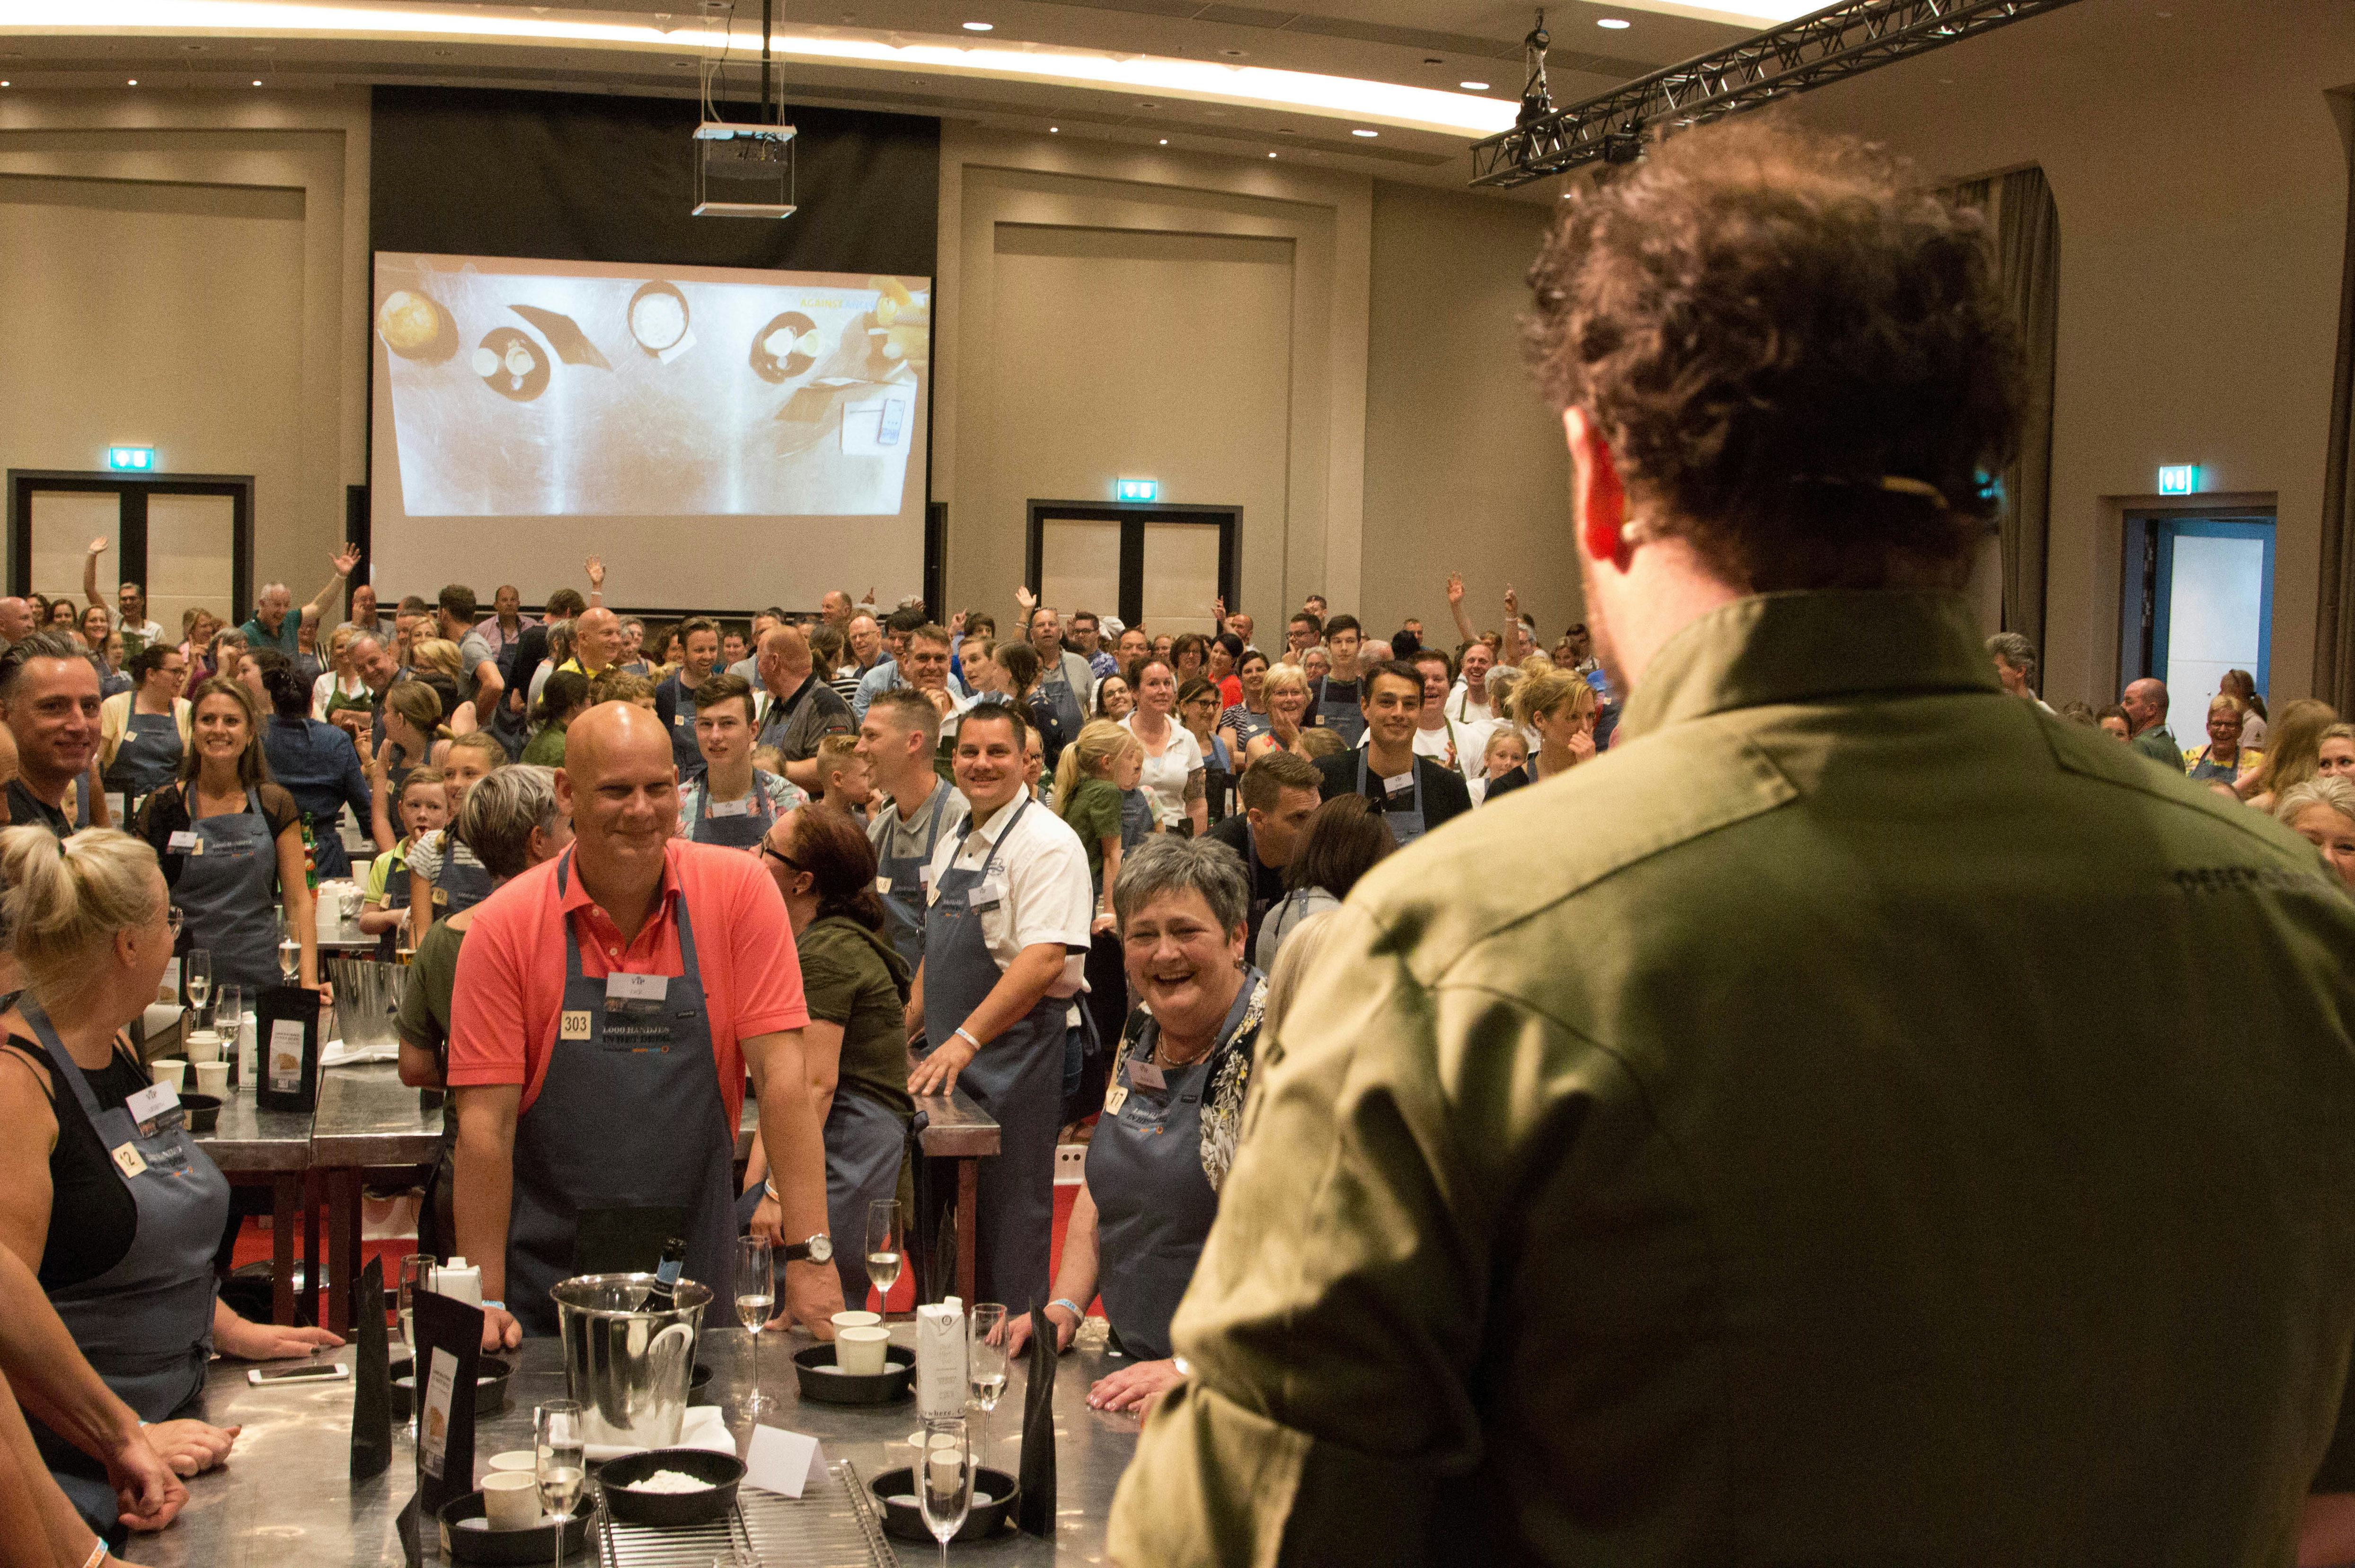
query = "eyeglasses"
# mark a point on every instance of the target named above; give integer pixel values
(774, 853)
(172, 918)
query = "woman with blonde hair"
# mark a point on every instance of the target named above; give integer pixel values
(1287, 695)
(2337, 752)
(412, 724)
(2241, 687)
(436, 660)
(118, 1214)
(1558, 708)
(339, 686)
(2295, 755)
(2322, 811)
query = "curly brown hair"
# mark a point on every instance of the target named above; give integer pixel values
(1765, 323)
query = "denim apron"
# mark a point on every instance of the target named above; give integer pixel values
(684, 750)
(145, 1326)
(1154, 1205)
(741, 827)
(1405, 826)
(456, 887)
(146, 758)
(1016, 1078)
(228, 894)
(865, 1144)
(1348, 719)
(629, 1117)
(901, 880)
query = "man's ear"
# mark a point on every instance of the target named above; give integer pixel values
(1598, 501)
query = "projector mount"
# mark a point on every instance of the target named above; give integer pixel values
(742, 169)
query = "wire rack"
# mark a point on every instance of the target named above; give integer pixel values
(833, 1525)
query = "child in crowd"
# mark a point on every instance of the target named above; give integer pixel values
(1092, 780)
(1318, 743)
(769, 759)
(843, 782)
(437, 890)
(424, 808)
(1506, 751)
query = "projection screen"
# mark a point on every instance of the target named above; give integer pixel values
(723, 438)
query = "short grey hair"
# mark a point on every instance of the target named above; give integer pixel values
(2014, 650)
(1167, 863)
(560, 641)
(2327, 790)
(500, 812)
(40, 644)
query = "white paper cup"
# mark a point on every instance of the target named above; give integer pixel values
(511, 1499)
(858, 1351)
(522, 1460)
(857, 1320)
(172, 1070)
(203, 1045)
(212, 1078)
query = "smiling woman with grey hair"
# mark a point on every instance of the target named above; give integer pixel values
(1167, 1135)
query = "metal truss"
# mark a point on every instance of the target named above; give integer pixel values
(1841, 41)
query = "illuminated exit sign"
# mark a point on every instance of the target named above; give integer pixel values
(131, 459)
(1138, 489)
(2178, 479)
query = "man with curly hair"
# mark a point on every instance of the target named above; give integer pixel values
(1836, 1126)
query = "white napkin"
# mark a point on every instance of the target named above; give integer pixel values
(706, 1426)
(336, 1053)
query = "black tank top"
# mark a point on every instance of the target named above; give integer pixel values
(92, 1216)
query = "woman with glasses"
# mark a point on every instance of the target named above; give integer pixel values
(120, 1214)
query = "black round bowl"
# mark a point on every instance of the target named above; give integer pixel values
(508, 384)
(203, 1112)
(722, 1470)
(895, 1493)
(471, 1543)
(491, 1377)
(813, 1368)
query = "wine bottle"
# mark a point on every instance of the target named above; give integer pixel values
(664, 1294)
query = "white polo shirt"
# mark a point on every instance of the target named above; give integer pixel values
(1042, 870)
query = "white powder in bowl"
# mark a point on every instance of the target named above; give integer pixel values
(657, 320)
(669, 1481)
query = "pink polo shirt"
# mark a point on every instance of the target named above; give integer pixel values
(510, 983)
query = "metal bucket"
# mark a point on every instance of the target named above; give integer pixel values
(627, 1367)
(368, 995)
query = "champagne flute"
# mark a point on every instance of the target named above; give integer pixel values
(558, 1440)
(198, 971)
(290, 951)
(986, 1364)
(944, 1486)
(884, 1248)
(756, 1301)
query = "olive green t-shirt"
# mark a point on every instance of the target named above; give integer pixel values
(425, 1016)
(1093, 813)
(851, 977)
(545, 749)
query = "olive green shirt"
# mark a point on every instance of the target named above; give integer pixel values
(2158, 744)
(1860, 1119)
(852, 977)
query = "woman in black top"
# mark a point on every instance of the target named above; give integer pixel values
(1559, 706)
(315, 763)
(101, 1192)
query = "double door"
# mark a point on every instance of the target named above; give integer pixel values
(188, 538)
(1160, 567)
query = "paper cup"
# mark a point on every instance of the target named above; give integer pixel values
(859, 1352)
(521, 1460)
(172, 1070)
(212, 1078)
(857, 1320)
(204, 1045)
(511, 1499)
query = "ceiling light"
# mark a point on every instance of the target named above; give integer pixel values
(1270, 154)
(1473, 86)
(1613, 23)
(134, 81)
(257, 81)
(1165, 140)
(1054, 130)
(1361, 132)
(981, 27)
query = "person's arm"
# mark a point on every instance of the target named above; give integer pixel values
(361, 798)
(488, 686)
(1020, 988)
(794, 1140)
(822, 1056)
(97, 547)
(323, 601)
(38, 1524)
(595, 566)
(481, 1190)
(1455, 608)
(296, 890)
(1075, 1281)
(1198, 800)
(420, 896)
(248, 1341)
(101, 815)
(1104, 918)
(804, 774)
(424, 1037)
(1028, 603)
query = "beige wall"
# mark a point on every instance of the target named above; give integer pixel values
(1466, 469)
(2202, 188)
(187, 272)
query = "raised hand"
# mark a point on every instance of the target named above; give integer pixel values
(957, 624)
(1512, 602)
(595, 566)
(1455, 587)
(1026, 599)
(98, 546)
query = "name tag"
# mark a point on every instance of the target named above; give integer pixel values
(1398, 784)
(184, 843)
(152, 1102)
(681, 720)
(440, 895)
(731, 807)
(573, 1026)
(637, 988)
(883, 885)
(128, 1160)
(1145, 1075)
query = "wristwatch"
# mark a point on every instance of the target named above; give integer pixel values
(820, 1248)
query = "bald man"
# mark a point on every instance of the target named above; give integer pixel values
(15, 619)
(2146, 704)
(800, 710)
(596, 642)
(607, 1005)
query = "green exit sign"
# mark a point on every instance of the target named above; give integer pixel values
(2178, 479)
(1138, 489)
(131, 459)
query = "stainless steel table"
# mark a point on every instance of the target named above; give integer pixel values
(346, 940)
(285, 1500)
(254, 1147)
(368, 1121)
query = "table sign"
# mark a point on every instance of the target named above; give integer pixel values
(371, 1377)
(286, 1026)
(448, 1359)
(1035, 1513)
(782, 1462)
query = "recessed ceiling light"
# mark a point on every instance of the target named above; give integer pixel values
(1270, 154)
(1363, 132)
(981, 27)
(1165, 140)
(1613, 23)
(7, 84)
(257, 81)
(1473, 86)
(1054, 130)
(134, 81)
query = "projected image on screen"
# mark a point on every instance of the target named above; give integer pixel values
(542, 389)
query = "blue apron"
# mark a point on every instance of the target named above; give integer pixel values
(684, 750)
(865, 1143)
(145, 1326)
(1405, 826)
(1154, 1205)
(1054, 699)
(901, 880)
(456, 887)
(629, 1116)
(743, 829)
(228, 894)
(1016, 1078)
(146, 758)
(1348, 718)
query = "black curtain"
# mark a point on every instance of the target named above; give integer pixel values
(2028, 246)
(2334, 620)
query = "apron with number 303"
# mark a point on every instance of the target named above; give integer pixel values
(628, 1117)
(1018, 1078)
(145, 1324)
(1405, 826)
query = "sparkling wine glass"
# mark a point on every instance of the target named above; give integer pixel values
(198, 971)
(558, 1440)
(986, 1364)
(944, 1486)
(756, 1302)
(884, 1248)
(290, 951)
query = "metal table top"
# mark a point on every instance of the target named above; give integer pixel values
(367, 1116)
(958, 1128)
(249, 1138)
(285, 1500)
(346, 939)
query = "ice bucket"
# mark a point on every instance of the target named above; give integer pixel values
(627, 1367)
(368, 995)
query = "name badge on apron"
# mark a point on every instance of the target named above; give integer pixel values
(157, 1108)
(1399, 784)
(680, 720)
(184, 843)
(730, 808)
(620, 987)
(1145, 1075)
